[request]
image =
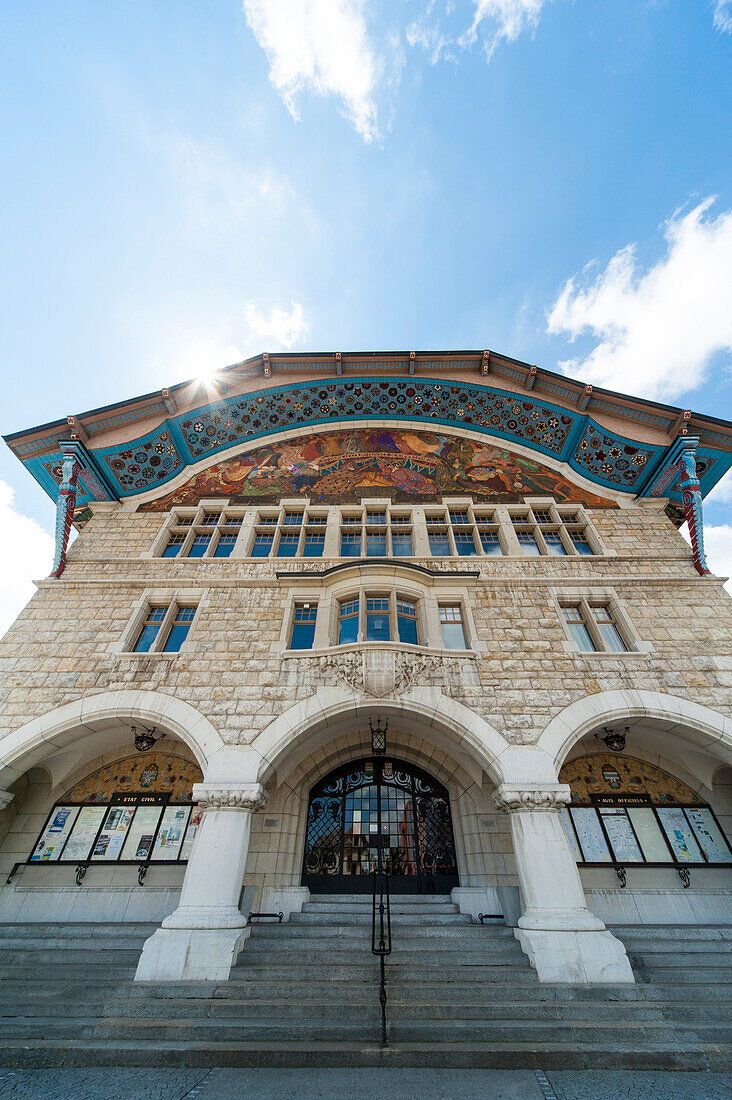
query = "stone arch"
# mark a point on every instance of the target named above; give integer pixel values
(706, 728)
(449, 722)
(33, 742)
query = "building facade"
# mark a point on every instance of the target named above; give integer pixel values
(429, 613)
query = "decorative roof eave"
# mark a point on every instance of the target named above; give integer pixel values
(585, 443)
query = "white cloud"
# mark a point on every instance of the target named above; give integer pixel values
(323, 45)
(723, 15)
(26, 552)
(657, 329)
(442, 30)
(286, 327)
(722, 491)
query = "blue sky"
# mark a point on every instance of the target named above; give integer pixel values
(186, 184)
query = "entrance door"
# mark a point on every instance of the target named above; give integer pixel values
(379, 814)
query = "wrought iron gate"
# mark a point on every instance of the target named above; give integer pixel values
(379, 815)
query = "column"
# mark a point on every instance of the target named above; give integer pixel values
(564, 941)
(202, 939)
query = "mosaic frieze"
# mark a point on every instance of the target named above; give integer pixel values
(346, 465)
(468, 406)
(607, 774)
(151, 772)
(609, 458)
(145, 463)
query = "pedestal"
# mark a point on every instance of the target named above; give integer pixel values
(202, 939)
(563, 940)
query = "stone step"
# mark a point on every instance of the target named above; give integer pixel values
(680, 933)
(356, 900)
(361, 1053)
(364, 918)
(419, 907)
(648, 958)
(67, 956)
(466, 933)
(81, 931)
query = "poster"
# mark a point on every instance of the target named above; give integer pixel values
(50, 844)
(170, 833)
(111, 839)
(709, 835)
(620, 834)
(680, 835)
(196, 816)
(84, 831)
(591, 837)
(648, 831)
(571, 837)
(141, 832)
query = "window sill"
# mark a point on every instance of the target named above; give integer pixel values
(397, 647)
(140, 656)
(605, 653)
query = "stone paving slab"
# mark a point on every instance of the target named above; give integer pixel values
(338, 1084)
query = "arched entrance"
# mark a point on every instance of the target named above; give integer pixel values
(379, 814)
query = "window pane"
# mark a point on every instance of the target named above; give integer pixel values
(610, 633)
(199, 546)
(142, 832)
(224, 546)
(459, 517)
(112, 837)
(578, 630)
(170, 834)
(439, 545)
(262, 545)
(554, 543)
(293, 519)
(376, 517)
(464, 543)
(580, 543)
(288, 544)
(528, 544)
(348, 622)
(179, 630)
(54, 835)
(303, 627)
(453, 636)
(407, 629)
(210, 519)
(401, 542)
(84, 831)
(313, 546)
(491, 543)
(146, 638)
(680, 835)
(174, 544)
(376, 544)
(655, 848)
(591, 837)
(709, 836)
(620, 832)
(542, 517)
(377, 619)
(351, 544)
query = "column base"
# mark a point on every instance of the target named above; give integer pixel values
(191, 954)
(575, 957)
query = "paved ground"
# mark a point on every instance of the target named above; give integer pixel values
(344, 1084)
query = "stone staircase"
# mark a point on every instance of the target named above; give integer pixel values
(306, 994)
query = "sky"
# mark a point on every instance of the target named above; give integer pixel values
(188, 184)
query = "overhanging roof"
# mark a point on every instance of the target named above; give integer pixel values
(617, 441)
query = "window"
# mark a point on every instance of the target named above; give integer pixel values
(407, 621)
(288, 544)
(554, 543)
(303, 626)
(179, 629)
(542, 517)
(459, 517)
(376, 517)
(174, 544)
(351, 544)
(378, 628)
(611, 636)
(439, 541)
(210, 519)
(593, 628)
(451, 625)
(263, 541)
(314, 544)
(528, 543)
(224, 546)
(164, 629)
(376, 544)
(199, 546)
(401, 542)
(348, 622)
(464, 543)
(293, 519)
(491, 543)
(150, 628)
(580, 543)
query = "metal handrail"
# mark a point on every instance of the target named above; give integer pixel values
(381, 946)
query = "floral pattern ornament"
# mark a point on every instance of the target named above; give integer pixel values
(610, 459)
(145, 463)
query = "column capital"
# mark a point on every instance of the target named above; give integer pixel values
(541, 796)
(227, 796)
